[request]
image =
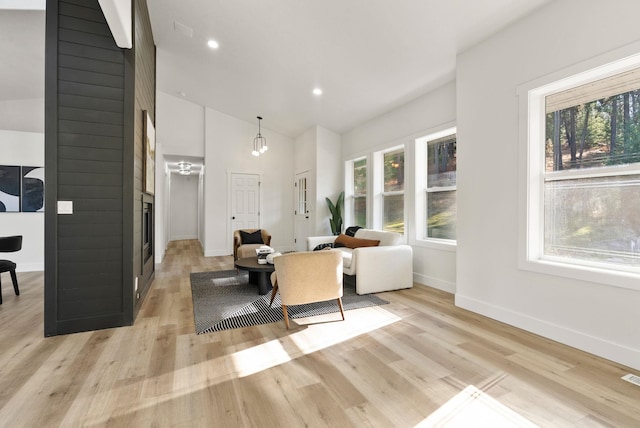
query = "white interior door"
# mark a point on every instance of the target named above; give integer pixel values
(301, 231)
(245, 202)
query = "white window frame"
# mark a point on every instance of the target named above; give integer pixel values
(350, 195)
(421, 149)
(532, 175)
(378, 187)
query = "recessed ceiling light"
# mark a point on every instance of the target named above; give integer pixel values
(317, 91)
(213, 44)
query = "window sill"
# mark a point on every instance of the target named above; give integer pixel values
(614, 278)
(437, 244)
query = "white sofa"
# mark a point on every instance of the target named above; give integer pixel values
(388, 266)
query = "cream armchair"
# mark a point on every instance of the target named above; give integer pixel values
(240, 250)
(307, 277)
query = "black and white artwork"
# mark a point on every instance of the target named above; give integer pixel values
(32, 189)
(21, 189)
(9, 188)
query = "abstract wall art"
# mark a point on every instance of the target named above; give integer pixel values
(149, 154)
(9, 188)
(32, 189)
(21, 188)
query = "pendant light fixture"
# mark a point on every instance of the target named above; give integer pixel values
(259, 143)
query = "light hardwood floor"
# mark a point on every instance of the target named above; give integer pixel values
(417, 361)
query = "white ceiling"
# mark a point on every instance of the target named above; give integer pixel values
(368, 56)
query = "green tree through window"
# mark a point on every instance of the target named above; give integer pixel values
(393, 191)
(441, 188)
(592, 179)
(360, 192)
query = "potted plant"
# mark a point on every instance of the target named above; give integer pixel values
(336, 214)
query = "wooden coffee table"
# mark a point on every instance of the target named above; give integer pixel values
(259, 275)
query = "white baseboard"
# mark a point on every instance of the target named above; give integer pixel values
(429, 281)
(594, 345)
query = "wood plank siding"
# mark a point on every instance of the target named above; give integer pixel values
(90, 94)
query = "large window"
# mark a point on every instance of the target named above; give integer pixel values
(585, 182)
(359, 205)
(440, 189)
(393, 191)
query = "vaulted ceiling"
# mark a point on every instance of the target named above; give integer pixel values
(367, 56)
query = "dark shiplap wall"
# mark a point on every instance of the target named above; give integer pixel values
(91, 159)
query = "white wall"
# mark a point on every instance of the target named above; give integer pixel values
(431, 110)
(588, 315)
(201, 212)
(179, 131)
(25, 115)
(166, 209)
(433, 265)
(27, 149)
(184, 207)
(179, 125)
(318, 152)
(305, 155)
(228, 150)
(160, 237)
(329, 177)
(305, 161)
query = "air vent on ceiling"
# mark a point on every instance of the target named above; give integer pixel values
(182, 29)
(632, 378)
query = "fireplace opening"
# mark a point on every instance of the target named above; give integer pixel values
(147, 231)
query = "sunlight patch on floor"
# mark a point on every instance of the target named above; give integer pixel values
(321, 332)
(473, 408)
(310, 335)
(324, 331)
(258, 358)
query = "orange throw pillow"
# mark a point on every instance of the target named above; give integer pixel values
(351, 242)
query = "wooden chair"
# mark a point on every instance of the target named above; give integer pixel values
(242, 250)
(10, 244)
(307, 277)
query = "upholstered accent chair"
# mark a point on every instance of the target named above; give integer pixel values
(307, 277)
(246, 241)
(10, 244)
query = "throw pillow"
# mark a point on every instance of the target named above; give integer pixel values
(323, 246)
(351, 242)
(251, 237)
(351, 230)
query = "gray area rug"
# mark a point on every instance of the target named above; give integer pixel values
(224, 300)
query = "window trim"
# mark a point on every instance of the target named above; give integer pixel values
(531, 105)
(421, 190)
(350, 194)
(378, 188)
